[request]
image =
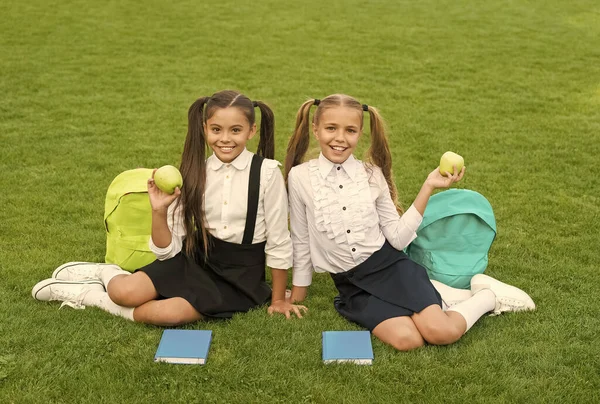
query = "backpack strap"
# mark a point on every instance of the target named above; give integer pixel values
(253, 195)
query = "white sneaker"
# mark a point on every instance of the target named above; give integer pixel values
(508, 298)
(64, 291)
(80, 271)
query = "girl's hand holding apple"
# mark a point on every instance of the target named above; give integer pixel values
(450, 170)
(159, 199)
(436, 180)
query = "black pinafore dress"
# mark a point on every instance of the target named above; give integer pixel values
(230, 280)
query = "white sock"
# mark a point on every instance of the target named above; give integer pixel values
(450, 295)
(110, 272)
(101, 300)
(472, 309)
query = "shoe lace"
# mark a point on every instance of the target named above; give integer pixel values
(79, 274)
(74, 300)
(508, 302)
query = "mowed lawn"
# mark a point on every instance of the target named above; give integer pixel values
(89, 89)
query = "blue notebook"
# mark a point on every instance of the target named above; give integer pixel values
(347, 346)
(184, 346)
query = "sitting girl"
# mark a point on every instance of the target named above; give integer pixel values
(345, 220)
(212, 238)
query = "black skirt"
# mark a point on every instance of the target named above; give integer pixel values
(387, 285)
(231, 280)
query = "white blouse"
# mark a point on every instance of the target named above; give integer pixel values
(226, 199)
(340, 214)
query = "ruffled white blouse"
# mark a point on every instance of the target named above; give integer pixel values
(340, 214)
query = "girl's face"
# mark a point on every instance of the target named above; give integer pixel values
(337, 131)
(227, 133)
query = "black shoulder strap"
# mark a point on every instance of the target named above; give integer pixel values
(253, 194)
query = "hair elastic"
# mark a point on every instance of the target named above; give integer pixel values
(316, 102)
(255, 104)
(365, 107)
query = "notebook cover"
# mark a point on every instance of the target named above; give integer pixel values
(347, 346)
(184, 346)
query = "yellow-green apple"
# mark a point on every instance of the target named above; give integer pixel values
(167, 178)
(449, 160)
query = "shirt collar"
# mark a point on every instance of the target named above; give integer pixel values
(240, 162)
(349, 166)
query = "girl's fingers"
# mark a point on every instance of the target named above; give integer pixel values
(297, 311)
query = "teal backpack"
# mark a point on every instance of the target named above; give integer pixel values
(128, 220)
(455, 237)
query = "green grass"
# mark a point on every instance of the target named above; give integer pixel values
(90, 89)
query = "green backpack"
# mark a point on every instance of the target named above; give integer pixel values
(455, 237)
(128, 220)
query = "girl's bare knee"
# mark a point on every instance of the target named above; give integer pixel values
(120, 293)
(440, 335)
(176, 319)
(408, 342)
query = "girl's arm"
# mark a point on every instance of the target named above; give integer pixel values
(278, 248)
(166, 238)
(302, 273)
(279, 304)
(279, 280)
(298, 293)
(400, 231)
(161, 235)
(434, 181)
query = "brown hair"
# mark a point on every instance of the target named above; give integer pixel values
(193, 158)
(378, 154)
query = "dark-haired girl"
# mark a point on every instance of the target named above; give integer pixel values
(213, 237)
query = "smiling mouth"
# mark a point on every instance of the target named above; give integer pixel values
(338, 148)
(226, 149)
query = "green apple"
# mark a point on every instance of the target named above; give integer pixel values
(167, 178)
(449, 160)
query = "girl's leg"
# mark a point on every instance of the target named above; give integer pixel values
(132, 296)
(125, 292)
(167, 312)
(131, 290)
(440, 327)
(451, 296)
(399, 332)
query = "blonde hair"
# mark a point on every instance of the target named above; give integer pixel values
(378, 154)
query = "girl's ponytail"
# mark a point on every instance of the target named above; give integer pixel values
(193, 171)
(379, 153)
(266, 143)
(298, 144)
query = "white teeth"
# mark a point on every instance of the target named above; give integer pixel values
(227, 148)
(338, 148)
